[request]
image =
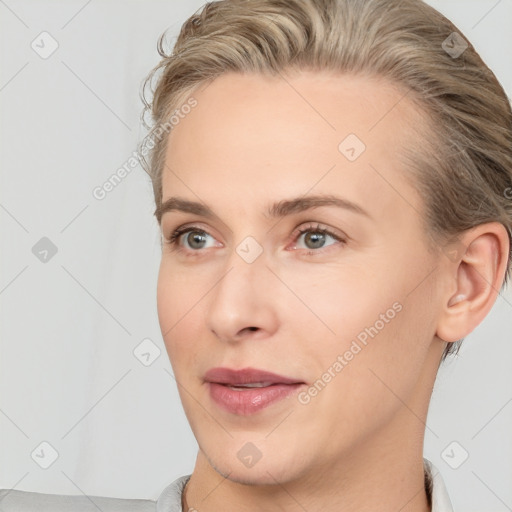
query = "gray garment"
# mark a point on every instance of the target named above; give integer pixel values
(23, 501)
(168, 501)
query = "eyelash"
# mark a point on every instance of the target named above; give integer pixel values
(173, 238)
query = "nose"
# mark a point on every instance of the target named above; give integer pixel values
(242, 304)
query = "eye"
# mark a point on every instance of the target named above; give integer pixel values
(194, 239)
(315, 237)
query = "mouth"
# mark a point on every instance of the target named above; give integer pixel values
(250, 385)
(247, 377)
(247, 391)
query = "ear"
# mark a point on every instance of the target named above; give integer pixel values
(476, 267)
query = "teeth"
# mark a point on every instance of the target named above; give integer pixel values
(252, 385)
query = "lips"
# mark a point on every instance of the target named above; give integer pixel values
(247, 391)
(247, 377)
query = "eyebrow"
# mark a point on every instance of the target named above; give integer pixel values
(277, 210)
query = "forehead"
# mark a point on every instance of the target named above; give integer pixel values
(318, 98)
(285, 133)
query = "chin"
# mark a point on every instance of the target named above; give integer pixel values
(264, 472)
(248, 477)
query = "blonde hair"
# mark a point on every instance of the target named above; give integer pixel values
(463, 169)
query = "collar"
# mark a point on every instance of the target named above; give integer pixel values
(170, 498)
(436, 489)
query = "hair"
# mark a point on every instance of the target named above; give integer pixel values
(463, 169)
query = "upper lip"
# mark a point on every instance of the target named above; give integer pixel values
(234, 377)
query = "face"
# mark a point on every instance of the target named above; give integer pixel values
(339, 298)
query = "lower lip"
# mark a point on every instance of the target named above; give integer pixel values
(249, 400)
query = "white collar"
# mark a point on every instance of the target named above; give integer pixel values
(435, 485)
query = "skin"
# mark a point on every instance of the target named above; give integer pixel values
(358, 445)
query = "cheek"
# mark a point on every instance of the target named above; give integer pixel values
(387, 339)
(368, 316)
(178, 291)
(177, 302)
(335, 303)
(372, 365)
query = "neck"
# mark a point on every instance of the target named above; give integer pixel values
(385, 474)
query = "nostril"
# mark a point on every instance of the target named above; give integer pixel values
(248, 329)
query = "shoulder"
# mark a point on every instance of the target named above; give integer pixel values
(170, 498)
(24, 501)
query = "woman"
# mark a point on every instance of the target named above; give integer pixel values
(332, 198)
(332, 180)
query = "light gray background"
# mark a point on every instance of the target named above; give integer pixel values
(68, 375)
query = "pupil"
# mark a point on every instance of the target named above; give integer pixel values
(196, 237)
(315, 238)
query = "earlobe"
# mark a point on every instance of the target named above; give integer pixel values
(477, 274)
